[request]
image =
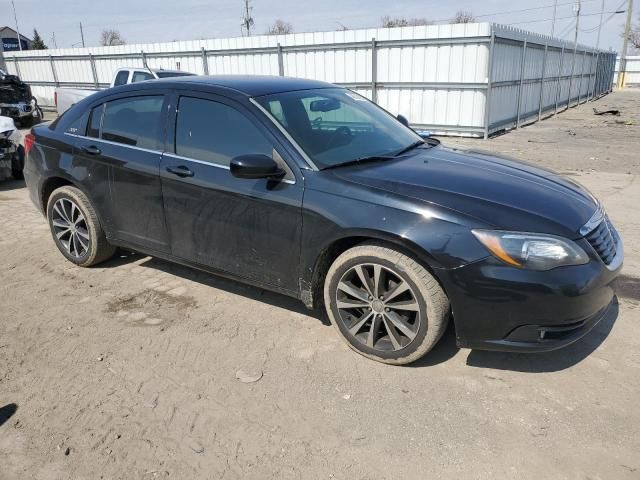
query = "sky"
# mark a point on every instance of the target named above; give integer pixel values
(167, 20)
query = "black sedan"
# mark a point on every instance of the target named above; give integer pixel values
(313, 191)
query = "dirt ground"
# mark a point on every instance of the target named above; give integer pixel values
(129, 370)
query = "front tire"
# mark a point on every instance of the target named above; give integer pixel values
(75, 228)
(384, 304)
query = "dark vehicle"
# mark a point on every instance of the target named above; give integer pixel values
(313, 191)
(17, 101)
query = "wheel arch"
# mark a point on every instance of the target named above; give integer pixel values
(52, 183)
(49, 185)
(313, 296)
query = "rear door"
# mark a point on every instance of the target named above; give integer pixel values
(250, 228)
(126, 134)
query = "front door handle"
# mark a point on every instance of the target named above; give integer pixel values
(91, 150)
(180, 171)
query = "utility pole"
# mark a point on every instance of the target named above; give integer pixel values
(82, 34)
(15, 17)
(622, 69)
(247, 20)
(575, 37)
(575, 49)
(53, 40)
(553, 23)
(600, 25)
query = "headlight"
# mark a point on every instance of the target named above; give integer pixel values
(531, 251)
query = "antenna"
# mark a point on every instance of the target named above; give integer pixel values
(247, 19)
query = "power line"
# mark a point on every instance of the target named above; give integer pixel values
(542, 7)
(560, 18)
(593, 29)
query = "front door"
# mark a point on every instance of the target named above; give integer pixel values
(249, 228)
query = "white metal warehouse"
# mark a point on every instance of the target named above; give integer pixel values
(470, 79)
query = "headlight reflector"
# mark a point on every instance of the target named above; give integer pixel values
(532, 251)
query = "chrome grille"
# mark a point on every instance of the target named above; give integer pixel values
(603, 240)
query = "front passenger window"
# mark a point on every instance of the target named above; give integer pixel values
(214, 132)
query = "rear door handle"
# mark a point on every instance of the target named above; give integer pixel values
(180, 171)
(91, 150)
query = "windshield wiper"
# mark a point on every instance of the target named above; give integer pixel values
(410, 147)
(377, 158)
(372, 158)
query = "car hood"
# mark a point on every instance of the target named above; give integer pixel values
(501, 192)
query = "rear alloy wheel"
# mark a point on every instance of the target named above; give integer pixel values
(70, 227)
(75, 228)
(385, 305)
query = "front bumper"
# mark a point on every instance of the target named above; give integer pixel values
(17, 111)
(499, 307)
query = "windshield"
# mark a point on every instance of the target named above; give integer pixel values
(335, 126)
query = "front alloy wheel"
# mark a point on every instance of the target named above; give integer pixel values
(378, 307)
(385, 305)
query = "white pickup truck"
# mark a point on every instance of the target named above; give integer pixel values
(65, 98)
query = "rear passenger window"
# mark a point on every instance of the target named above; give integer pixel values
(214, 132)
(93, 128)
(121, 78)
(135, 121)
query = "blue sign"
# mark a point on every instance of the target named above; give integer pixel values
(11, 44)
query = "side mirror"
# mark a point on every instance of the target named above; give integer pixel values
(403, 120)
(255, 166)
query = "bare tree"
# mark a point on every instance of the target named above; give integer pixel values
(280, 27)
(111, 37)
(463, 16)
(388, 22)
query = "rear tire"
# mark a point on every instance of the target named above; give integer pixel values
(75, 228)
(17, 163)
(398, 329)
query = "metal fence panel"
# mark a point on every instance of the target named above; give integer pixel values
(633, 70)
(465, 79)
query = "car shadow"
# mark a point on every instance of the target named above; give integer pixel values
(553, 361)
(443, 351)
(7, 411)
(446, 347)
(124, 257)
(627, 286)
(10, 184)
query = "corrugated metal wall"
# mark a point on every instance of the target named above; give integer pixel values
(533, 75)
(632, 69)
(437, 76)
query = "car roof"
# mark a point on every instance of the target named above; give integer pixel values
(249, 85)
